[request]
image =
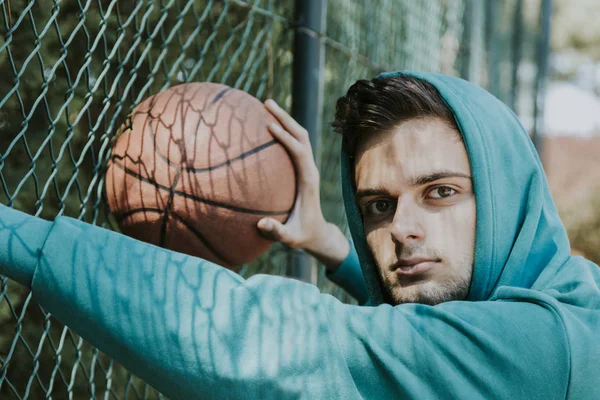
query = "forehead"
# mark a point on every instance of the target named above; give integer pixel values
(415, 147)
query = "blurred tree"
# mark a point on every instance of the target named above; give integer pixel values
(575, 26)
(584, 230)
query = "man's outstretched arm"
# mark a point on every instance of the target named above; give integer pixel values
(193, 329)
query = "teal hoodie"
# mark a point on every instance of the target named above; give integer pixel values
(529, 329)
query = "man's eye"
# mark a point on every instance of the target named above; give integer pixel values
(442, 192)
(378, 207)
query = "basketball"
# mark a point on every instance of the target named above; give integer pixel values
(194, 168)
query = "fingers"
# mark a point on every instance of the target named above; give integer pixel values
(291, 143)
(274, 230)
(297, 144)
(301, 153)
(288, 123)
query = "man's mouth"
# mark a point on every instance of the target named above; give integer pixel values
(414, 266)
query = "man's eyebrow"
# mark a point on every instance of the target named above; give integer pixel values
(376, 191)
(414, 181)
(434, 176)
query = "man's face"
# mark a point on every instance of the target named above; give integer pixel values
(416, 197)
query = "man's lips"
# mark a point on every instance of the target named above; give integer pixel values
(414, 266)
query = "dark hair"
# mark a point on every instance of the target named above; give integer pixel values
(383, 103)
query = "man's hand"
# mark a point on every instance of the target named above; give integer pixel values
(306, 228)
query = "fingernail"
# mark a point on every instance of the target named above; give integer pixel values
(275, 127)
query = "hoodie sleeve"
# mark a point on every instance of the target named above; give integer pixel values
(21, 239)
(349, 277)
(189, 327)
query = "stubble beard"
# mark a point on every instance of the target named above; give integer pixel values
(430, 292)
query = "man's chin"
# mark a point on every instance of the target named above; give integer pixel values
(410, 297)
(424, 292)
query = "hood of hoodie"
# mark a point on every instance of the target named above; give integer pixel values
(519, 234)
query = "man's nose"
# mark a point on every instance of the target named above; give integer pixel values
(407, 226)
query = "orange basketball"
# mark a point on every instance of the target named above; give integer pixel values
(194, 168)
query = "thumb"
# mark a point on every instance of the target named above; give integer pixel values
(274, 230)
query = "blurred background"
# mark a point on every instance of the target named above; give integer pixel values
(571, 145)
(71, 70)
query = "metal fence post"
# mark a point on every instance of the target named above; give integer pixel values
(517, 48)
(307, 94)
(492, 44)
(543, 53)
(472, 41)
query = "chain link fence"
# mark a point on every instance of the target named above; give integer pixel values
(72, 70)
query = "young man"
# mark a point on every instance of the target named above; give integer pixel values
(462, 257)
(413, 188)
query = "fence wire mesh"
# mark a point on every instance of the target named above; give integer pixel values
(72, 70)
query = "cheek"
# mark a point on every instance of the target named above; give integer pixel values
(379, 241)
(467, 220)
(454, 227)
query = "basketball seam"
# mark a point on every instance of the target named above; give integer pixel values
(199, 199)
(201, 112)
(203, 239)
(165, 221)
(230, 161)
(187, 225)
(222, 164)
(121, 217)
(220, 94)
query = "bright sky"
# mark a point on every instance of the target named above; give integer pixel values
(570, 110)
